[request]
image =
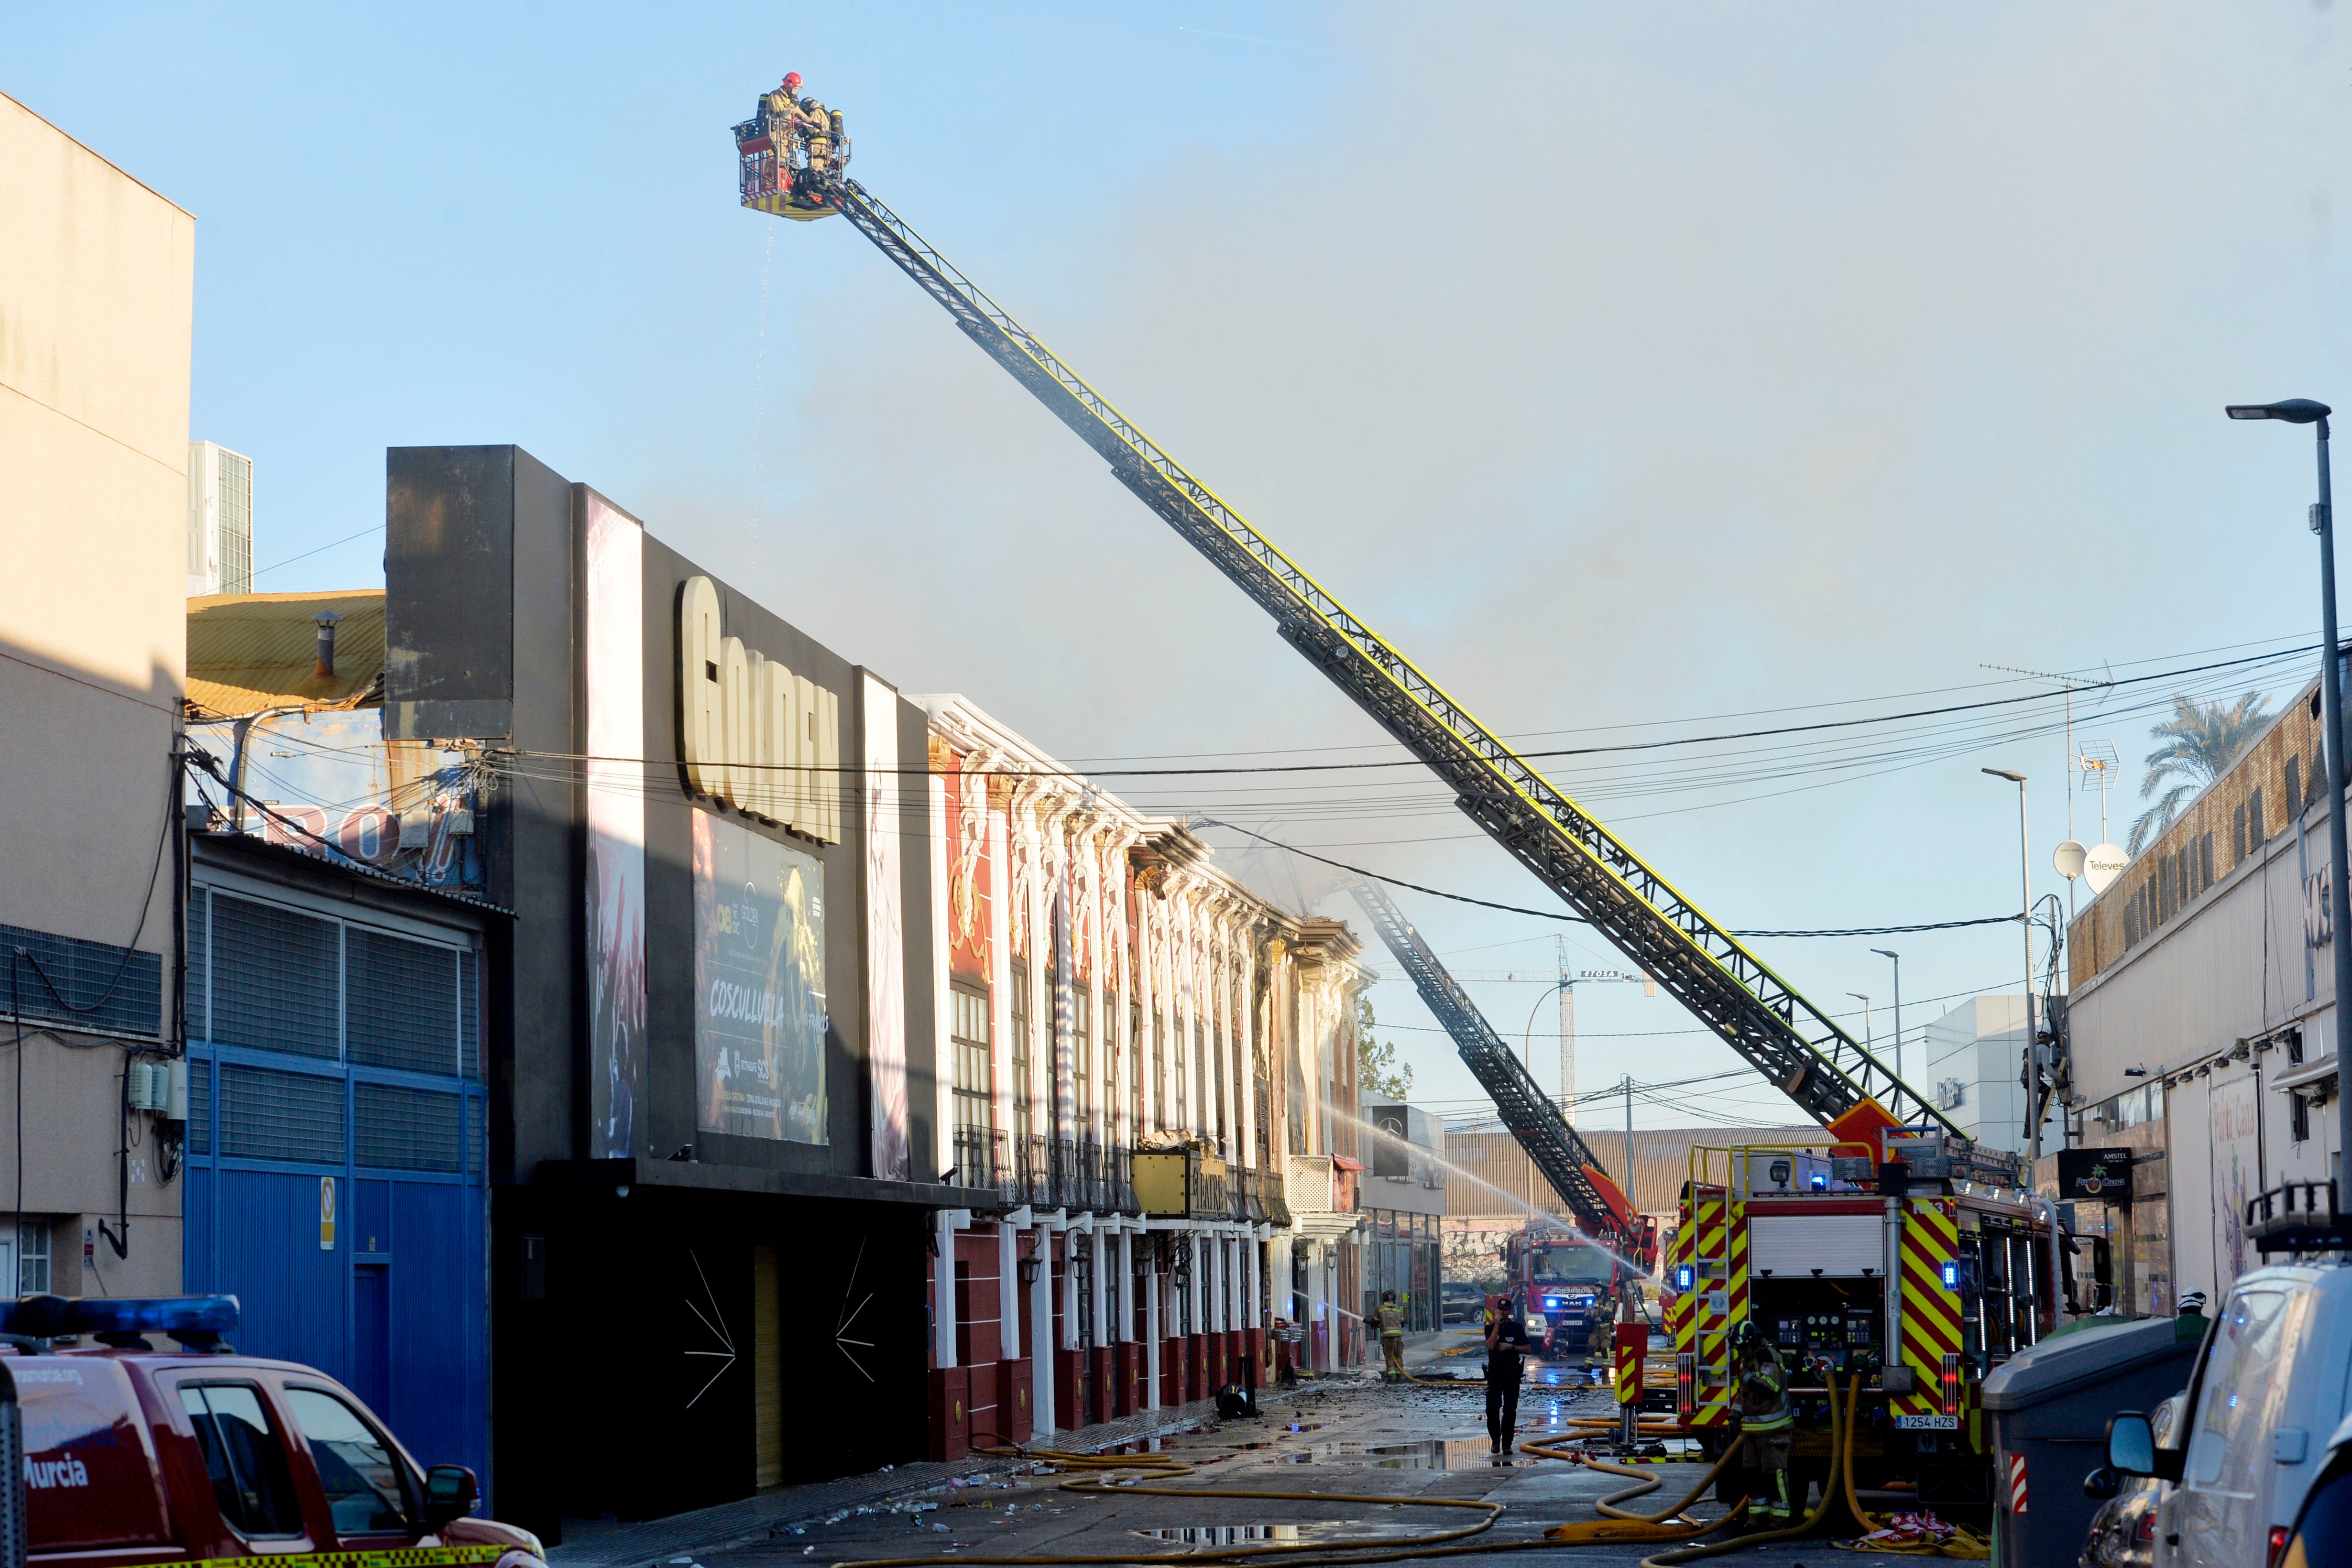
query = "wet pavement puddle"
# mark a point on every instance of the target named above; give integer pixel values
(1429, 1454)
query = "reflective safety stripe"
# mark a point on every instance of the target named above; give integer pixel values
(398, 1557)
(1931, 1311)
(1711, 1313)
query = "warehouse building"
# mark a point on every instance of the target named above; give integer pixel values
(2202, 1016)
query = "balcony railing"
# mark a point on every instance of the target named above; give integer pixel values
(1076, 1174)
(980, 1166)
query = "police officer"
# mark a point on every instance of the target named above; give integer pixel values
(1767, 1420)
(1391, 1338)
(1506, 1349)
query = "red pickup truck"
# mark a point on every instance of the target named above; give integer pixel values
(134, 1455)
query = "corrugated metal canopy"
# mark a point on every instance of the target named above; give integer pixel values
(253, 651)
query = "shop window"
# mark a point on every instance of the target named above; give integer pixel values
(1159, 1070)
(975, 1060)
(1217, 1105)
(32, 1257)
(1082, 1078)
(1022, 1120)
(1184, 1071)
(1135, 1069)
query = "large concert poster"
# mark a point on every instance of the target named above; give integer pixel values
(970, 897)
(759, 985)
(615, 670)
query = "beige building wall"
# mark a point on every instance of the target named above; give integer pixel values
(97, 284)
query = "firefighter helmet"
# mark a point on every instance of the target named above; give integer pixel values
(792, 83)
(1745, 1337)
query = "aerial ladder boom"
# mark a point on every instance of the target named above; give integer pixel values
(1531, 1118)
(1736, 994)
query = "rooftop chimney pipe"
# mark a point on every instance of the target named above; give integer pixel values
(326, 620)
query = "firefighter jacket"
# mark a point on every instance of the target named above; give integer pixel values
(1764, 1409)
(1392, 1318)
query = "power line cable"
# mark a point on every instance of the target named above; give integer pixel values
(1556, 915)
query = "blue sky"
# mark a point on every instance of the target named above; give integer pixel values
(1621, 366)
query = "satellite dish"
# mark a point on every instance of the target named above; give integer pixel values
(2105, 863)
(2068, 858)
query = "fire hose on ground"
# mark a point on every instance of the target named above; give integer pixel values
(1617, 1525)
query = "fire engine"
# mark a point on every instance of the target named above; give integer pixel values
(1572, 1276)
(1920, 1272)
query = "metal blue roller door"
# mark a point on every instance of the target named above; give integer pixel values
(322, 1049)
(294, 1293)
(435, 1281)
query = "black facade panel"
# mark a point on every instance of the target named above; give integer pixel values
(635, 1315)
(538, 875)
(449, 585)
(485, 576)
(479, 605)
(670, 888)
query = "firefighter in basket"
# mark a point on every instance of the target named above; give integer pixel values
(1767, 1419)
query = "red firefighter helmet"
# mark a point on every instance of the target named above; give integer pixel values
(792, 82)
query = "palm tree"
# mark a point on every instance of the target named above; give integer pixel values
(2201, 739)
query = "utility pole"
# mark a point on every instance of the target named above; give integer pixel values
(2025, 936)
(1567, 1035)
(1890, 953)
(2303, 411)
(1629, 1138)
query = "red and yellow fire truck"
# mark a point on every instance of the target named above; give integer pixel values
(1571, 1275)
(1921, 1272)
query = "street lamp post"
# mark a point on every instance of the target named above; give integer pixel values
(2304, 410)
(2025, 936)
(1869, 1041)
(1890, 953)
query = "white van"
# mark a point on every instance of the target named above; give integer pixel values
(2269, 1389)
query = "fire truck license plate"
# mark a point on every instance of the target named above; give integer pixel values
(1926, 1423)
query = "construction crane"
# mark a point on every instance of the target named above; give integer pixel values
(1795, 1045)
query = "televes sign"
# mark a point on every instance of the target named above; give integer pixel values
(755, 736)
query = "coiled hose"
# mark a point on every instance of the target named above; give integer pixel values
(1841, 1443)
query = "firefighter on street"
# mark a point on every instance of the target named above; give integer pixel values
(1391, 1338)
(1507, 1349)
(1766, 1418)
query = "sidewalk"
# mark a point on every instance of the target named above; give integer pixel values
(590, 1544)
